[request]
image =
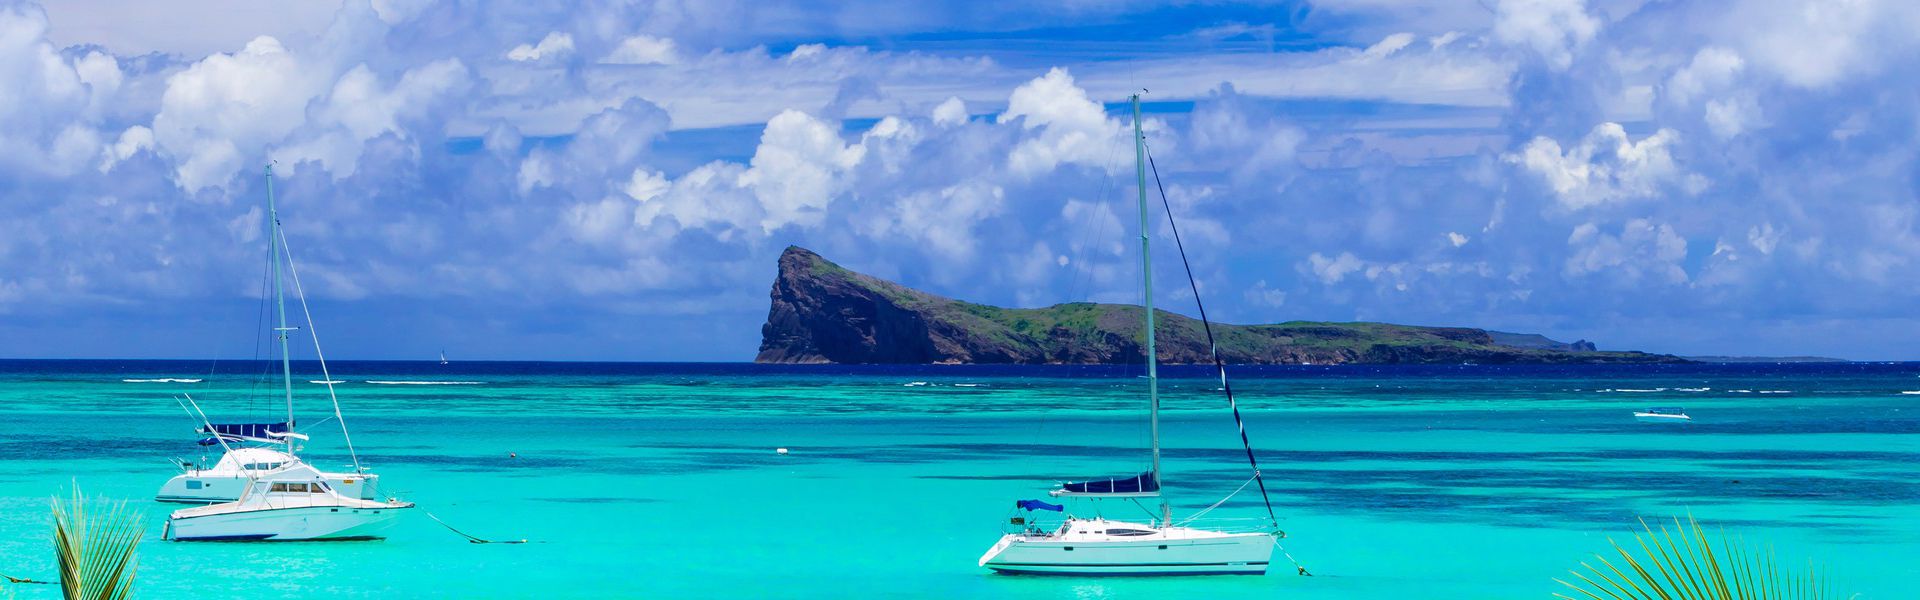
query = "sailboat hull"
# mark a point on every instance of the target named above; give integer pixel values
(1197, 553)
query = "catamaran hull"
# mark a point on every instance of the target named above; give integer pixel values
(190, 488)
(312, 523)
(1239, 554)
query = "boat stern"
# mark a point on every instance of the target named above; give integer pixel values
(1006, 541)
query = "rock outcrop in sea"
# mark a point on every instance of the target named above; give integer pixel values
(824, 313)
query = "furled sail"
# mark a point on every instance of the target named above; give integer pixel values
(1144, 484)
(242, 432)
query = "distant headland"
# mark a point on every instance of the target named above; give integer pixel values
(824, 313)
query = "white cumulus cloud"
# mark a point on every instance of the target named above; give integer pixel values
(1072, 128)
(796, 170)
(1607, 166)
(643, 50)
(1554, 29)
(555, 46)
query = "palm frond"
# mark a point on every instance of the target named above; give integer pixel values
(1685, 563)
(93, 544)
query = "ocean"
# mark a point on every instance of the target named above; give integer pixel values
(662, 480)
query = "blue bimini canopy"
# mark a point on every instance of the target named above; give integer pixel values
(1144, 484)
(231, 431)
(1032, 505)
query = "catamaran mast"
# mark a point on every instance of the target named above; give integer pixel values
(1146, 278)
(280, 303)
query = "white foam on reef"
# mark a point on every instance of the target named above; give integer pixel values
(161, 380)
(1739, 391)
(916, 383)
(1911, 392)
(1776, 391)
(966, 385)
(1693, 389)
(1636, 391)
(326, 381)
(425, 382)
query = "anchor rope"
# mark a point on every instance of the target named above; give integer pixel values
(1207, 325)
(471, 539)
(1296, 564)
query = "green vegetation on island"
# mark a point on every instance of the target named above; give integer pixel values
(824, 313)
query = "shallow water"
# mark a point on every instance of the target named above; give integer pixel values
(662, 480)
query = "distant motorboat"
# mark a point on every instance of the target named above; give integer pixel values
(1666, 414)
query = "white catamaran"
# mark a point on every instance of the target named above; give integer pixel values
(268, 493)
(1099, 546)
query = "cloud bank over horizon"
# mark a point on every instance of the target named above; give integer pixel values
(613, 181)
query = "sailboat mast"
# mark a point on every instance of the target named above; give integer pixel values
(1146, 278)
(280, 304)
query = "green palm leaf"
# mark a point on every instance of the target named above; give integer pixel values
(95, 549)
(1684, 563)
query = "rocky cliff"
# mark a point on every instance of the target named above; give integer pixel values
(823, 313)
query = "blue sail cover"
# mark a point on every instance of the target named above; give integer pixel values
(241, 430)
(1144, 483)
(1033, 505)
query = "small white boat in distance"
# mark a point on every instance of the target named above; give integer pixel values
(291, 503)
(1666, 414)
(226, 479)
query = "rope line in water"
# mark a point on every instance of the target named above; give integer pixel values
(1296, 564)
(470, 538)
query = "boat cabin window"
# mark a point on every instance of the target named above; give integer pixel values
(317, 487)
(297, 488)
(261, 466)
(1127, 532)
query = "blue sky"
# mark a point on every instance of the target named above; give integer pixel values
(613, 180)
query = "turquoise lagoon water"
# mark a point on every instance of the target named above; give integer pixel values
(662, 480)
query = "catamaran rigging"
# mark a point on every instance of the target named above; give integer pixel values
(264, 494)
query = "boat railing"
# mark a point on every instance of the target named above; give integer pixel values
(1228, 524)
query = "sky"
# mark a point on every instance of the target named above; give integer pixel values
(614, 180)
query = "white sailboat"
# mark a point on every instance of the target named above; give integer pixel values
(443, 357)
(277, 496)
(1100, 546)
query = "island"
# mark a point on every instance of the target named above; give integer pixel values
(824, 313)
